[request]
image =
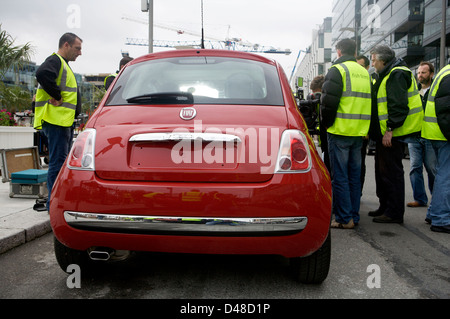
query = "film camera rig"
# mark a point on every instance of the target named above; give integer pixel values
(309, 108)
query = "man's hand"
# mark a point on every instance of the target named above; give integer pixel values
(56, 102)
(387, 139)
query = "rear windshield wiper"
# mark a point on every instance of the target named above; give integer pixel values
(167, 97)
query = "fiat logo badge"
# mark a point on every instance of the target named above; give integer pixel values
(188, 113)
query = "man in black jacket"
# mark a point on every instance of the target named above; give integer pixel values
(345, 110)
(396, 94)
(436, 128)
(110, 78)
(443, 107)
(52, 99)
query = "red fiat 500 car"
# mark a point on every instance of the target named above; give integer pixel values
(195, 151)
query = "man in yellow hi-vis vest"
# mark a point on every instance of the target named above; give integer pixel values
(57, 104)
(436, 128)
(346, 109)
(397, 114)
(110, 78)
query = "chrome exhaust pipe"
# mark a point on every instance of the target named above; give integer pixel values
(105, 254)
(101, 254)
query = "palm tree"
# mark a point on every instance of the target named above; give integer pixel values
(11, 55)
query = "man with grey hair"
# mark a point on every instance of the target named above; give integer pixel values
(397, 115)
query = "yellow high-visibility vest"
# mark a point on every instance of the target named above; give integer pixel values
(354, 110)
(430, 126)
(413, 122)
(63, 115)
(111, 75)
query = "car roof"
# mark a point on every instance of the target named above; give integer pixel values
(203, 52)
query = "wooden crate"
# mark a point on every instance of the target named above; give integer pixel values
(18, 159)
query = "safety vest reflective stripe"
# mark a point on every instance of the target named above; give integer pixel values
(430, 119)
(435, 86)
(430, 126)
(63, 86)
(64, 104)
(384, 99)
(411, 112)
(113, 75)
(413, 121)
(64, 114)
(353, 116)
(348, 86)
(353, 113)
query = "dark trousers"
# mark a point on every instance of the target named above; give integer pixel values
(59, 144)
(390, 179)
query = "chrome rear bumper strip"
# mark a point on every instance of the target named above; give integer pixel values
(187, 226)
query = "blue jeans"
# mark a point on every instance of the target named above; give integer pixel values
(345, 162)
(59, 143)
(421, 154)
(439, 209)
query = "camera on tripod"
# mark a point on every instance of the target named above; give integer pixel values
(310, 111)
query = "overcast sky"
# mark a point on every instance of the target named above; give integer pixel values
(283, 24)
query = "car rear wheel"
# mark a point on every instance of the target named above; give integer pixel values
(66, 256)
(314, 268)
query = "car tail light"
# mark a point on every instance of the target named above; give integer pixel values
(82, 153)
(293, 155)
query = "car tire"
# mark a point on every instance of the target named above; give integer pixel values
(313, 269)
(66, 256)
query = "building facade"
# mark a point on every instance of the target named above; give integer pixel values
(412, 28)
(398, 24)
(317, 59)
(25, 77)
(433, 10)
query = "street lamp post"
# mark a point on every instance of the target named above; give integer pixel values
(147, 6)
(443, 61)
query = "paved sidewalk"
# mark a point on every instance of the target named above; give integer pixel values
(19, 223)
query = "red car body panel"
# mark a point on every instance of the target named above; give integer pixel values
(138, 179)
(121, 160)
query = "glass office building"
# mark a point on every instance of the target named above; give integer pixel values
(432, 30)
(23, 76)
(411, 28)
(317, 58)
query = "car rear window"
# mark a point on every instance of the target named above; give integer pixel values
(210, 80)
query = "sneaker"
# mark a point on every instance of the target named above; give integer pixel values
(349, 225)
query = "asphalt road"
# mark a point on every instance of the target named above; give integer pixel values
(373, 261)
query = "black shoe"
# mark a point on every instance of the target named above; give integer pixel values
(441, 229)
(375, 213)
(428, 221)
(387, 219)
(40, 207)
